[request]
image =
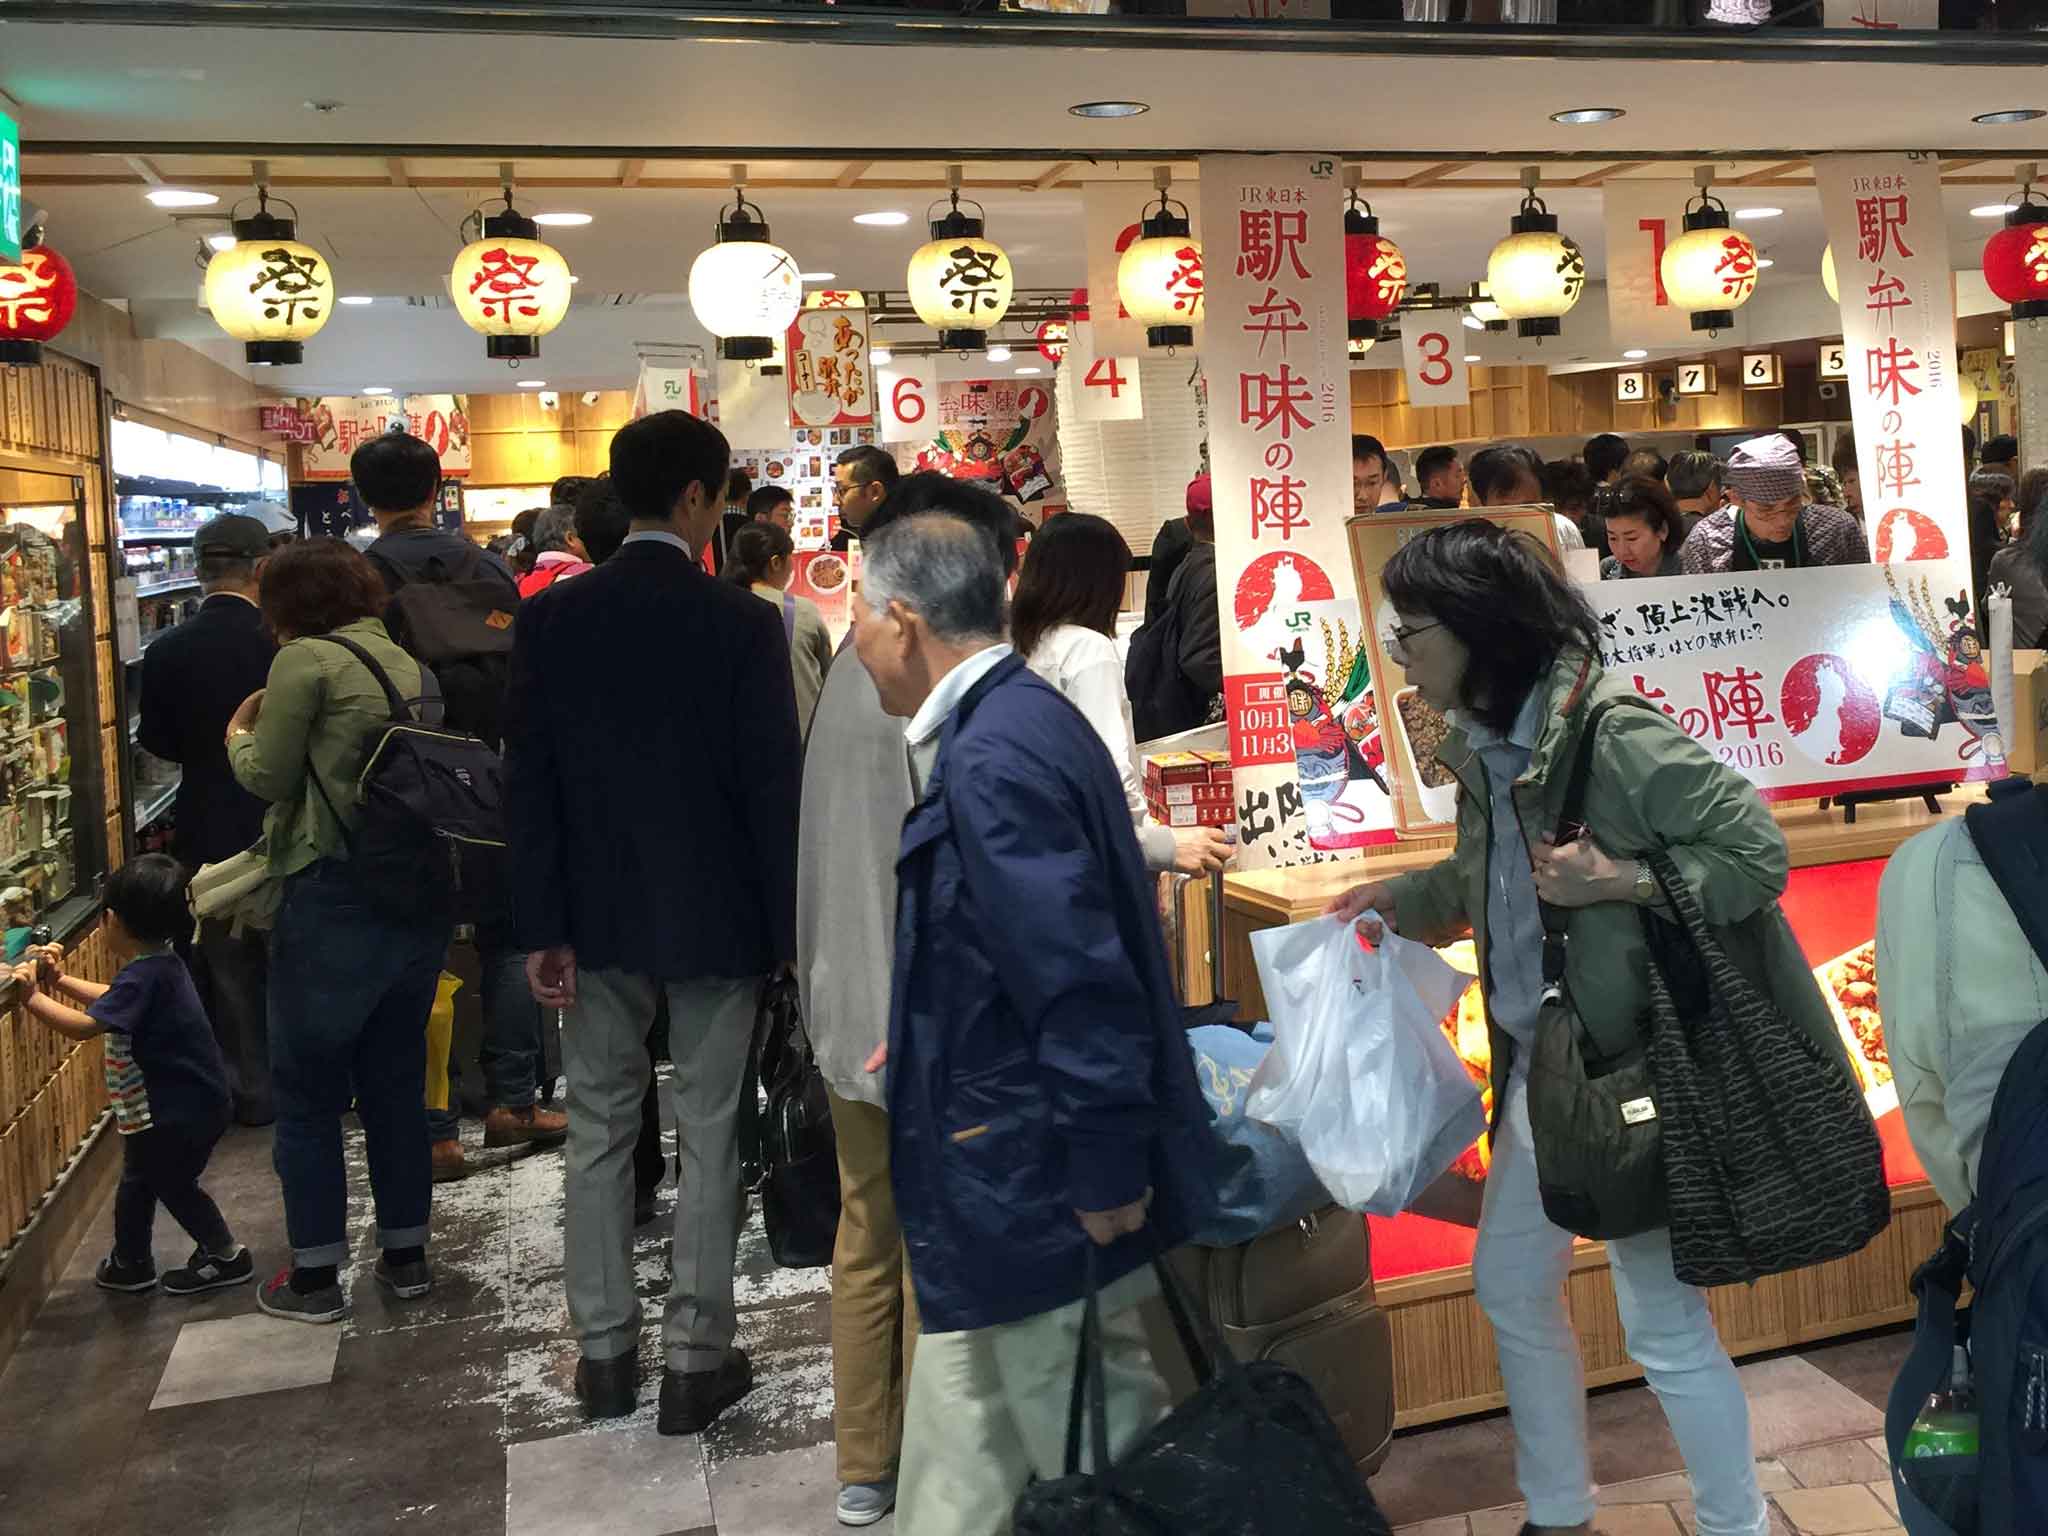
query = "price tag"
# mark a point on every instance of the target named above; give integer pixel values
(1696, 379)
(909, 394)
(1761, 370)
(1434, 359)
(1834, 360)
(1104, 388)
(1631, 388)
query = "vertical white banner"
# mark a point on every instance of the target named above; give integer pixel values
(1104, 388)
(1642, 218)
(665, 389)
(1433, 356)
(907, 399)
(1890, 238)
(753, 406)
(1280, 457)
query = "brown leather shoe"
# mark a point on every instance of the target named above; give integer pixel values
(530, 1125)
(449, 1163)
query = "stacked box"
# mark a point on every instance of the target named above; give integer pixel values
(1190, 789)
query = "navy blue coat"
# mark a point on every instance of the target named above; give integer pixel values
(652, 772)
(1037, 1062)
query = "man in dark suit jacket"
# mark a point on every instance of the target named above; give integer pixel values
(193, 681)
(653, 774)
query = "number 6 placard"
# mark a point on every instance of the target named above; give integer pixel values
(908, 394)
(1433, 353)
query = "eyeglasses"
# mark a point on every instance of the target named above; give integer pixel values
(1404, 638)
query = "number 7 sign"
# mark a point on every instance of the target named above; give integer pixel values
(1433, 355)
(1101, 388)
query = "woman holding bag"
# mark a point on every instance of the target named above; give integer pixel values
(1498, 641)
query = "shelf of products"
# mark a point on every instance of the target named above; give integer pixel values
(154, 801)
(165, 588)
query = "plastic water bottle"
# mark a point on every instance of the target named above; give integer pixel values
(1947, 1425)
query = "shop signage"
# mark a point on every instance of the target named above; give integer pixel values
(342, 423)
(1104, 388)
(1642, 218)
(287, 421)
(909, 389)
(10, 189)
(1631, 388)
(665, 389)
(1762, 370)
(826, 579)
(831, 381)
(1834, 360)
(1433, 357)
(997, 431)
(1279, 449)
(1697, 379)
(1111, 211)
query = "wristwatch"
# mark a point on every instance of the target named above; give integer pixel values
(1646, 885)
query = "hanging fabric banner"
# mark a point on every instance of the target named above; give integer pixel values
(1433, 357)
(1104, 388)
(1643, 217)
(1296, 681)
(665, 389)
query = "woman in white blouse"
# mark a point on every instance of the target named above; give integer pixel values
(1063, 622)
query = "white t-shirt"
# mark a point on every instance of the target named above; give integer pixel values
(1084, 666)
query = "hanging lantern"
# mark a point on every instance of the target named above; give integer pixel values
(960, 281)
(1535, 275)
(267, 290)
(1159, 276)
(1052, 339)
(38, 296)
(1375, 273)
(745, 290)
(1827, 273)
(2016, 258)
(1484, 310)
(509, 285)
(1709, 270)
(1966, 396)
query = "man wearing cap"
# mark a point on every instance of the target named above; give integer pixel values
(194, 678)
(1170, 546)
(1772, 526)
(1193, 592)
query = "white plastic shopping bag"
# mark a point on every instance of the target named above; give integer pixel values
(1360, 1072)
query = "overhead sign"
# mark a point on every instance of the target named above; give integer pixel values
(1104, 388)
(339, 424)
(10, 189)
(909, 396)
(1697, 379)
(1642, 218)
(1433, 357)
(831, 381)
(753, 406)
(1632, 388)
(1834, 360)
(1762, 370)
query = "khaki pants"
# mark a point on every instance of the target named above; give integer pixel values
(988, 1410)
(874, 1313)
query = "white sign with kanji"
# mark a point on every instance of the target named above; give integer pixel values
(1642, 218)
(1105, 388)
(907, 393)
(1433, 357)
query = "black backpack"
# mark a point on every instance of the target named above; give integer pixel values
(1163, 701)
(430, 835)
(457, 619)
(2000, 1244)
(788, 1151)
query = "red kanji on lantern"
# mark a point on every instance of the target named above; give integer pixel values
(1375, 277)
(38, 296)
(506, 279)
(1184, 282)
(2016, 264)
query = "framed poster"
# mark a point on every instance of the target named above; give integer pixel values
(831, 381)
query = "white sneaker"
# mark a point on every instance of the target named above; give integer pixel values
(865, 1503)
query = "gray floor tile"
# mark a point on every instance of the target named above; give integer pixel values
(789, 1493)
(1792, 1404)
(241, 1356)
(643, 1483)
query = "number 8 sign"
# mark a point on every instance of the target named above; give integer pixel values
(1433, 356)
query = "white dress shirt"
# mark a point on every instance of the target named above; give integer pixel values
(930, 720)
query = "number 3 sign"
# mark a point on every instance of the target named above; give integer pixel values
(908, 390)
(1434, 357)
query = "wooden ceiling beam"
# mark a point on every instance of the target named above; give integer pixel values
(1595, 178)
(851, 175)
(400, 177)
(1052, 177)
(1437, 172)
(144, 167)
(630, 172)
(1769, 173)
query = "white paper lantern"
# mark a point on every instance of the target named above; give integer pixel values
(1536, 274)
(1485, 311)
(1710, 270)
(511, 287)
(745, 290)
(268, 291)
(1159, 279)
(1827, 273)
(960, 281)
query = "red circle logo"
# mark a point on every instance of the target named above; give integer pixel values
(1830, 711)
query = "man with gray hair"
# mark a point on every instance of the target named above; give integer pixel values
(1046, 1132)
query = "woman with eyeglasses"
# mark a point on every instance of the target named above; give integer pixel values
(1496, 640)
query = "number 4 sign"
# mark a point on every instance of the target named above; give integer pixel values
(1433, 356)
(1103, 388)
(908, 391)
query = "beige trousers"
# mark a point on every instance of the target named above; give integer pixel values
(988, 1410)
(874, 1314)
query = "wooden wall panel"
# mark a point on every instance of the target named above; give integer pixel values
(166, 378)
(512, 441)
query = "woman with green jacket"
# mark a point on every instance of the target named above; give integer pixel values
(352, 975)
(1498, 641)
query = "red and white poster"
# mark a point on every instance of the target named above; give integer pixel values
(827, 580)
(1642, 218)
(909, 397)
(339, 424)
(1104, 388)
(831, 381)
(1433, 357)
(1279, 445)
(997, 430)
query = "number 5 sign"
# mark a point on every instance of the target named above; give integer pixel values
(1104, 388)
(1433, 354)
(909, 397)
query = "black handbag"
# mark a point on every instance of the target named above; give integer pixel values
(788, 1154)
(1251, 1453)
(1593, 1108)
(1771, 1159)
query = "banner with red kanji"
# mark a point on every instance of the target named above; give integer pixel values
(339, 424)
(1305, 754)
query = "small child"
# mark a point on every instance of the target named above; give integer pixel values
(165, 1077)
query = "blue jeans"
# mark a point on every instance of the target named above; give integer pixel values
(350, 991)
(510, 1051)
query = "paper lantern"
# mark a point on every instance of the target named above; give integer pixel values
(267, 290)
(1966, 396)
(1159, 277)
(510, 287)
(38, 296)
(960, 280)
(2016, 260)
(1536, 274)
(1375, 274)
(1053, 336)
(1485, 311)
(1710, 270)
(1827, 273)
(745, 290)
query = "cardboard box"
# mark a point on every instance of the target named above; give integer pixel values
(1190, 815)
(1177, 768)
(1219, 764)
(1192, 794)
(2027, 753)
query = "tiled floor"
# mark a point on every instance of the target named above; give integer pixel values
(457, 1413)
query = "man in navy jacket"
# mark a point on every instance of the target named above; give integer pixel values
(1041, 1099)
(653, 770)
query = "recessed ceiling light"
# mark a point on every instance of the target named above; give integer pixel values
(2009, 115)
(817, 277)
(1471, 357)
(221, 242)
(885, 218)
(178, 197)
(1635, 352)
(1108, 108)
(1474, 323)
(1764, 261)
(999, 354)
(574, 278)
(1579, 115)
(881, 357)
(1990, 210)
(533, 383)
(562, 220)
(355, 298)
(376, 389)
(1759, 213)
(1030, 370)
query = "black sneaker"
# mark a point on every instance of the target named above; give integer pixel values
(691, 1401)
(114, 1275)
(207, 1272)
(405, 1281)
(325, 1305)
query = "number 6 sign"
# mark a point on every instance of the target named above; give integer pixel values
(909, 392)
(1434, 358)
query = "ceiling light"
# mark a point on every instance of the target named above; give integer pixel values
(176, 197)
(355, 298)
(999, 354)
(533, 383)
(1030, 370)
(1759, 213)
(816, 277)
(220, 242)
(1108, 108)
(1471, 357)
(1473, 323)
(1764, 261)
(2009, 115)
(881, 357)
(884, 218)
(376, 389)
(1579, 115)
(1635, 352)
(1990, 210)
(562, 220)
